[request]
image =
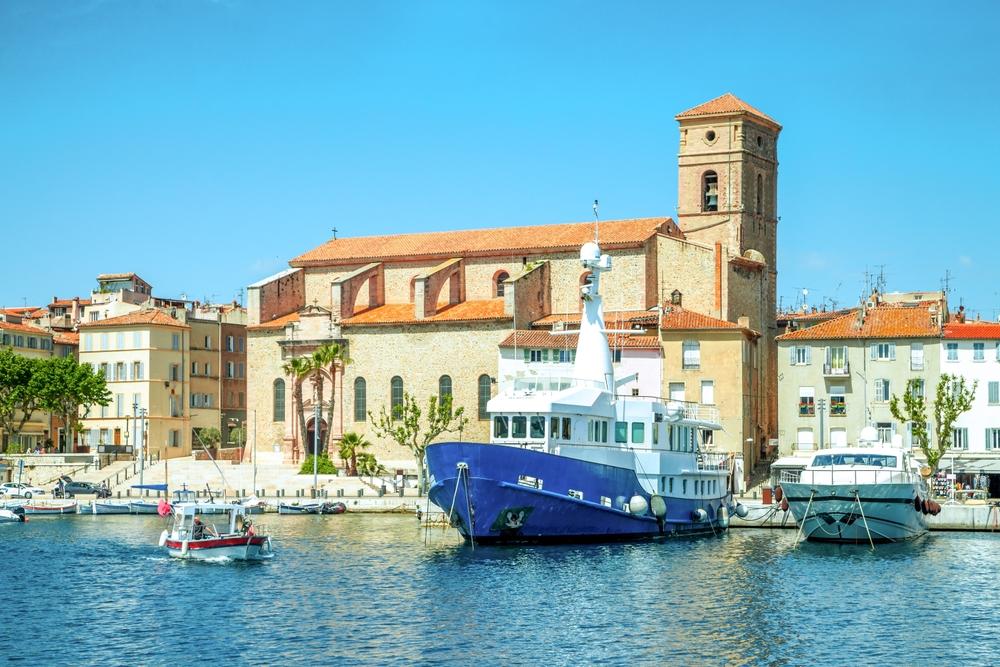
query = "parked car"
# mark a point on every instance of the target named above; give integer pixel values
(19, 490)
(67, 488)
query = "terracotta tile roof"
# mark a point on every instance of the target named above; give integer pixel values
(18, 311)
(679, 319)
(886, 321)
(611, 318)
(66, 338)
(23, 328)
(68, 302)
(276, 323)
(35, 314)
(818, 315)
(971, 330)
(727, 105)
(150, 316)
(486, 242)
(403, 313)
(545, 339)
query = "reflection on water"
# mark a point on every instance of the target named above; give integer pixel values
(360, 589)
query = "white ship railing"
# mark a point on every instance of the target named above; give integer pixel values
(708, 461)
(680, 409)
(846, 476)
(547, 383)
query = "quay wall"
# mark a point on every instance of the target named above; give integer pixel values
(984, 518)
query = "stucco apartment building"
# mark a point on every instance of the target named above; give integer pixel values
(416, 310)
(838, 376)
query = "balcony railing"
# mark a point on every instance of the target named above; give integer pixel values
(830, 370)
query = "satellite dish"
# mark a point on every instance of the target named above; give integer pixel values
(868, 434)
(805, 291)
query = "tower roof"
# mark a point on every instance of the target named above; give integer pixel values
(727, 105)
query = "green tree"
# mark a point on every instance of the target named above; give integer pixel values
(324, 466)
(298, 368)
(952, 397)
(329, 357)
(351, 446)
(209, 435)
(368, 466)
(69, 388)
(20, 390)
(403, 426)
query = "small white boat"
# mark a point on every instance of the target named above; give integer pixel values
(862, 494)
(47, 509)
(236, 538)
(142, 507)
(15, 515)
(296, 508)
(109, 507)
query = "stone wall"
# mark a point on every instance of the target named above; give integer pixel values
(279, 297)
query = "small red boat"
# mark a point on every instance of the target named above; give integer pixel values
(235, 537)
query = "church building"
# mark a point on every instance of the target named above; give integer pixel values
(430, 313)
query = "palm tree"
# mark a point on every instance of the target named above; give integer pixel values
(350, 447)
(298, 368)
(329, 356)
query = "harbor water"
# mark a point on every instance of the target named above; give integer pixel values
(378, 589)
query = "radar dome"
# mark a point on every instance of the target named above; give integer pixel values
(868, 434)
(590, 252)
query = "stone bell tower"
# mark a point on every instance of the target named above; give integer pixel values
(727, 198)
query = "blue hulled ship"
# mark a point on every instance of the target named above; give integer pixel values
(571, 460)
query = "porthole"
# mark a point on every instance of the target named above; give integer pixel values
(710, 135)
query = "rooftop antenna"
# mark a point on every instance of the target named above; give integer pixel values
(946, 283)
(597, 220)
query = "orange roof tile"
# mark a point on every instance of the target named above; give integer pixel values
(818, 315)
(970, 330)
(67, 338)
(545, 339)
(403, 313)
(675, 318)
(35, 314)
(485, 242)
(886, 321)
(149, 316)
(727, 105)
(18, 311)
(23, 328)
(68, 302)
(276, 323)
(611, 318)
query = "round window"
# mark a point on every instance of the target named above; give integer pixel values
(710, 135)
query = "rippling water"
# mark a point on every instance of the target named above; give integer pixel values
(358, 589)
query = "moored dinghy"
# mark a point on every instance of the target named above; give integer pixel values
(49, 509)
(108, 507)
(15, 515)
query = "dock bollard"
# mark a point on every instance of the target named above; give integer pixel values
(381, 491)
(128, 493)
(401, 492)
(361, 492)
(340, 493)
(243, 493)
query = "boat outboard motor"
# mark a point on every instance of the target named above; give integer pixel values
(19, 511)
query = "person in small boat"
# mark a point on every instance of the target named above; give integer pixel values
(200, 531)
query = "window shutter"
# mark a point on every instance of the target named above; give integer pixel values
(874, 351)
(527, 354)
(829, 356)
(892, 351)
(792, 357)
(808, 355)
(545, 355)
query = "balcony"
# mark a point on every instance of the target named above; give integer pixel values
(830, 370)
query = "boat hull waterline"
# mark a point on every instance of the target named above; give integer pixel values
(889, 511)
(505, 511)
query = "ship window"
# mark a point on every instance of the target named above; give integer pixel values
(500, 427)
(554, 427)
(590, 430)
(519, 427)
(575, 494)
(621, 432)
(684, 487)
(670, 487)
(604, 431)
(656, 434)
(538, 427)
(638, 433)
(566, 430)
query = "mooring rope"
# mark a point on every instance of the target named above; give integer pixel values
(870, 540)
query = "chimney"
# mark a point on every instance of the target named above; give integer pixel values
(75, 310)
(676, 297)
(743, 321)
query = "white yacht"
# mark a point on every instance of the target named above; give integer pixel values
(873, 492)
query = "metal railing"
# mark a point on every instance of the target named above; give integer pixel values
(837, 371)
(846, 476)
(130, 471)
(708, 461)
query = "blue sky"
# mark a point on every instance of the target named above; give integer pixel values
(203, 143)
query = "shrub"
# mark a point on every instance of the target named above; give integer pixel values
(324, 466)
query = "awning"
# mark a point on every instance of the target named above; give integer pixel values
(989, 466)
(151, 487)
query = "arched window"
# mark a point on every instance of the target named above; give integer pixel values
(760, 194)
(360, 399)
(710, 190)
(279, 400)
(484, 395)
(444, 387)
(396, 396)
(498, 286)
